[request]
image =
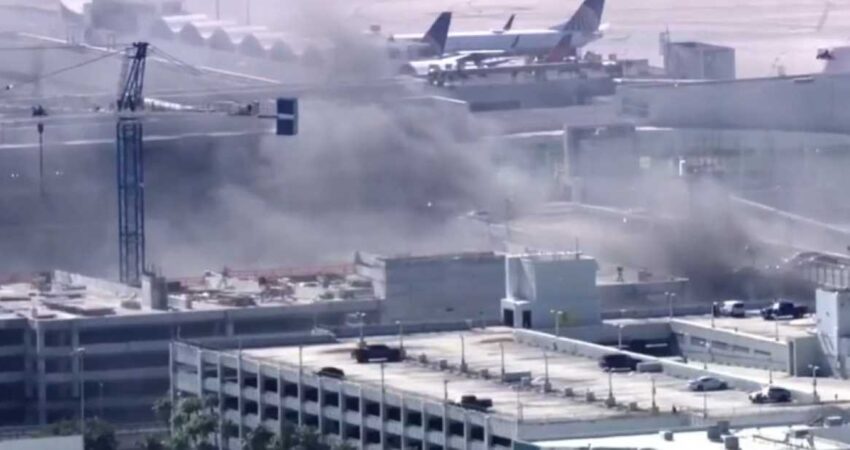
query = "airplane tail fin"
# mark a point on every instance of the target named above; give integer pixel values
(510, 23)
(560, 51)
(439, 32)
(587, 19)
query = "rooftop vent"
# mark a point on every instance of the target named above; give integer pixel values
(667, 435)
(731, 443)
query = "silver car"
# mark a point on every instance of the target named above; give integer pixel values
(707, 384)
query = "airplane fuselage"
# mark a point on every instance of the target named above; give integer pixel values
(517, 42)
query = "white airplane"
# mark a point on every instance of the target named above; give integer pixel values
(583, 27)
(487, 60)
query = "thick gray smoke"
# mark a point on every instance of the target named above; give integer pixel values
(389, 177)
(393, 175)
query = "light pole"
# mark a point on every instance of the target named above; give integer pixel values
(775, 329)
(713, 312)
(654, 405)
(40, 128)
(462, 354)
(619, 336)
(770, 370)
(546, 385)
(362, 320)
(814, 382)
(446, 391)
(400, 334)
(502, 354)
(80, 352)
(558, 314)
(671, 296)
(610, 400)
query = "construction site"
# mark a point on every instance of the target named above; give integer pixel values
(248, 202)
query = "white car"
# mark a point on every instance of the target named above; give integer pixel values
(733, 308)
(707, 384)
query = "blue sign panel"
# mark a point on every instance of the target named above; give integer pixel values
(287, 116)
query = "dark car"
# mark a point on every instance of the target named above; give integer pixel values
(377, 352)
(331, 372)
(476, 403)
(783, 309)
(618, 362)
(771, 394)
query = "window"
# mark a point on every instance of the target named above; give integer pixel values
(761, 353)
(698, 342)
(740, 349)
(717, 345)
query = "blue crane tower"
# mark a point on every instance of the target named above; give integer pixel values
(129, 160)
(129, 166)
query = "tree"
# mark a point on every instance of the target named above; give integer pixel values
(195, 422)
(162, 410)
(307, 438)
(151, 443)
(100, 435)
(258, 439)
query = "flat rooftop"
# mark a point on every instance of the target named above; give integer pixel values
(62, 295)
(754, 325)
(482, 351)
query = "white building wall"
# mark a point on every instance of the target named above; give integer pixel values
(542, 283)
(833, 324)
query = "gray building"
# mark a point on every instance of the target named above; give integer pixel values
(68, 336)
(698, 61)
(448, 287)
(540, 287)
(541, 388)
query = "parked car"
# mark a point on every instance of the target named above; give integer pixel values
(377, 352)
(476, 403)
(733, 308)
(331, 372)
(618, 362)
(707, 384)
(771, 394)
(783, 309)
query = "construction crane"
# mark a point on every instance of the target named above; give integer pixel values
(129, 159)
(129, 166)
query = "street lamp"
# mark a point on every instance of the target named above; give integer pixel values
(558, 314)
(400, 334)
(462, 354)
(546, 385)
(502, 354)
(619, 336)
(40, 129)
(654, 405)
(814, 382)
(713, 313)
(80, 352)
(775, 329)
(671, 296)
(361, 316)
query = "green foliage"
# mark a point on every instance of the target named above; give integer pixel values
(258, 439)
(151, 443)
(162, 410)
(195, 424)
(100, 435)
